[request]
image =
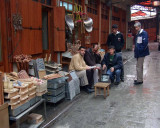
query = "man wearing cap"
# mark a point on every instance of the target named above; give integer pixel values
(141, 50)
(113, 62)
(83, 71)
(116, 39)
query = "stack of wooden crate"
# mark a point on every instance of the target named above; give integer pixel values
(31, 91)
(41, 89)
(16, 96)
(12, 97)
(23, 92)
(41, 86)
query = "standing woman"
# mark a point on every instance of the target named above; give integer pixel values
(141, 50)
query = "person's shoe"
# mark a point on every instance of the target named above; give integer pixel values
(90, 90)
(116, 83)
(92, 87)
(122, 79)
(135, 81)
(85, 89)
(111, 85)
(138, 83)
(112, 81)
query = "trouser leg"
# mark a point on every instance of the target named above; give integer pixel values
(111, 75)
(90, 77)
(83, 77)
(118, 74)
(139, 68)
(122, 73)
(122, 70)
(96, 74)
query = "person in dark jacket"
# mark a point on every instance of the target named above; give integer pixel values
(113, 62)
(93, 58)
(116, 39)
(141, 50)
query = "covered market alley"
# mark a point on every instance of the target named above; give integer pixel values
(41, 40)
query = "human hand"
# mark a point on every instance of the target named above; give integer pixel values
(112, 69)
(104, 67)
(98, 68)
(88, 68)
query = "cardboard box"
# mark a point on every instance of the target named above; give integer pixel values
(41, 73)
(34, 118)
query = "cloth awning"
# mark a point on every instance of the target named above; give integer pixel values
(139, 12)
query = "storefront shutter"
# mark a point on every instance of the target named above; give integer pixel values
(59, 29)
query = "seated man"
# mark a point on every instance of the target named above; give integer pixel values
(82, 70)
(113, 62)
(93, 58)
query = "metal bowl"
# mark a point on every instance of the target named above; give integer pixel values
(89, 29)
(88, 22)
(69, 22)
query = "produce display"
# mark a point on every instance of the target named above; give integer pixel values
(22, 61)
(52, 76)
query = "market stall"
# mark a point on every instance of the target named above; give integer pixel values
(36, 82)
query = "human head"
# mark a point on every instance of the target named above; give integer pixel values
(95, 47)
(111, 50)
(137, 26)
(82, 50)
(114, 28)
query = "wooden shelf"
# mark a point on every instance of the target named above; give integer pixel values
(26, 125)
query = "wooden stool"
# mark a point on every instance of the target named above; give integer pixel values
(100, 85)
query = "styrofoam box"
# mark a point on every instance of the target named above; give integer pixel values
(32, 101)
(19, 110)
(53, 92)
(55, 99)
(56, 83)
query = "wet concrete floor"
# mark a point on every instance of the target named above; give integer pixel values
(128, 106)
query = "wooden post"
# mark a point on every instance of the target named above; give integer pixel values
(104, 92)
(108, 90)
(95, 91)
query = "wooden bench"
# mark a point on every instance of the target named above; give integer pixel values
(98, 86)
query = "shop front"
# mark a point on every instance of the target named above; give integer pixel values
(37, 41)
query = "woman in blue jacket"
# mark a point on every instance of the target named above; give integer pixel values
(141, 50)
